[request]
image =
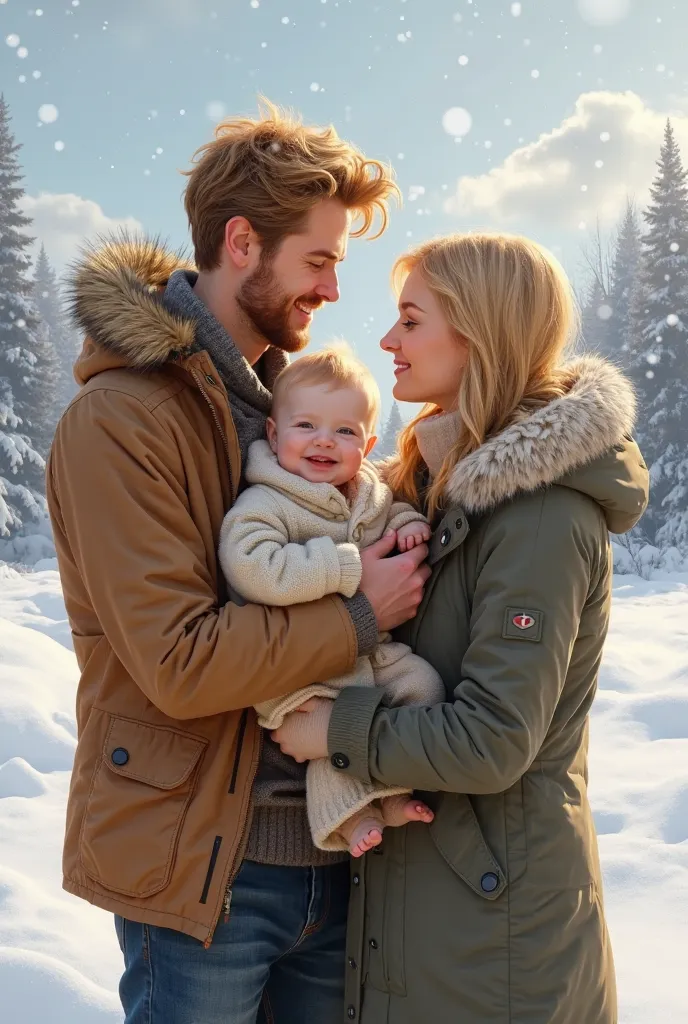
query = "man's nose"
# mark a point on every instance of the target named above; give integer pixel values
(328, 286)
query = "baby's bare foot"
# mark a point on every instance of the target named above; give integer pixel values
(399, 810)
(365, 836)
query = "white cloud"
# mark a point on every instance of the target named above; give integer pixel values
(558, 181)
(62, 222)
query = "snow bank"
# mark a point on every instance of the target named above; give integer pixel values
(59, 959)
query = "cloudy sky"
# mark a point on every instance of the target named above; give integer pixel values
(537, 117)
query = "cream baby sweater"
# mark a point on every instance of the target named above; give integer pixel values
(287, 540)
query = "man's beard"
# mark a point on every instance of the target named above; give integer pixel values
(268, 309)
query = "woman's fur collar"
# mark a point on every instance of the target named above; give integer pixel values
(545, 446)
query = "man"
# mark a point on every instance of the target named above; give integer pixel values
(182, 820)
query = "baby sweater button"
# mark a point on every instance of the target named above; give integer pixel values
(340, 761)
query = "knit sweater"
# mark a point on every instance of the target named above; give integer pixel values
(287, 541)
(279, 831)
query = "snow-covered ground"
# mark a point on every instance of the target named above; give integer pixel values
(59, 961)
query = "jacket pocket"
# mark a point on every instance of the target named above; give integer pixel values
(141, 790)
(457, 835)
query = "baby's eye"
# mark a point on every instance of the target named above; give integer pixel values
(347, 430)
(305, 425)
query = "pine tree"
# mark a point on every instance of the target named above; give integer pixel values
(387, 444)
(49, 304)
(595, 318)
(624, 297)
(659, 346)
(21, 466)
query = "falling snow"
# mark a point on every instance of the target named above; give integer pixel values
(457, 121)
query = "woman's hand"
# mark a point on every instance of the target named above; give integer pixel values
(303, 733)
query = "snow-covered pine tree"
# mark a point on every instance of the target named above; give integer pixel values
(387, 444)
(595, 299)
(659, 347)
(49, 303)
(21, 466)
(625, 282)
(595, 313)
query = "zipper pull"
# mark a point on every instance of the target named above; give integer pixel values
(226, 904)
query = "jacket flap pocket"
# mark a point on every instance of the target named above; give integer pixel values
(456, 834)
(154, 754)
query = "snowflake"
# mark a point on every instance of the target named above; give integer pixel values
(604, 312)
(535, 73)
(463, 60)
(603, 12)
(59, 145)
(13, 39)
(457, 121)
(48, 112)
(516, 10)
(605, 136)
(672, 320)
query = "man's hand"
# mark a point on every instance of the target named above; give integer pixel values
(394, 586)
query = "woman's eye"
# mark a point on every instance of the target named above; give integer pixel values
(408, 324)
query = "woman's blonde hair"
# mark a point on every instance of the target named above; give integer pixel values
(509, 301)
(273, 170)
(335, 367)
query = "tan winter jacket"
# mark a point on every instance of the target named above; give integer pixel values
(144, 465)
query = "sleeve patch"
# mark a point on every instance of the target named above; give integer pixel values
(523, 624)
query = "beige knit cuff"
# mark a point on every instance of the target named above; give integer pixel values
(350, 569)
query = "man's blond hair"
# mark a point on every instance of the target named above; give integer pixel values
(273, 170)
(335, 367)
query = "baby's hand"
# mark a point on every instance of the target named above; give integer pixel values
(413, 534)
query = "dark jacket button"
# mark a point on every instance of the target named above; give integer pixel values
(340, 761)
(356, 879)
(445, 538)
(373, 944)
(459, 524)
(489, 882)
(352, 963)
(351, 1013)
(120, 756)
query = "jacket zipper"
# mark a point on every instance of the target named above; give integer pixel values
(216, 418)
(238, 857)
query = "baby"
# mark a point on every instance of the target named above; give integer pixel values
(295, 535)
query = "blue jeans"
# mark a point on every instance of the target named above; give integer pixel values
(279, 958)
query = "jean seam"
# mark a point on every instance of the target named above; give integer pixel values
(149, 958)
(267, 1008)
(327, 901)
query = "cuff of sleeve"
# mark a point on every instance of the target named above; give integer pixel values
(365, 623)
(350, 569)
(349, 730)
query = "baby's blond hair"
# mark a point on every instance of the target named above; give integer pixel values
(336, 366)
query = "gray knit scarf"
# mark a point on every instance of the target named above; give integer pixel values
(249, 388)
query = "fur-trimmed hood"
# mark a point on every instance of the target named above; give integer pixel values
(581, 441)
(115, 293)
(551, 443)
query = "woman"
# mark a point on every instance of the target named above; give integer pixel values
(492, 914)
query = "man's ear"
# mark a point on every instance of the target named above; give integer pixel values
(241, 243)
(372, 441)
(271, 429)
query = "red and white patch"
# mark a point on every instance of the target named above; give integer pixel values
(523, 621)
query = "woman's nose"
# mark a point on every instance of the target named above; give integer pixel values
(389, 342)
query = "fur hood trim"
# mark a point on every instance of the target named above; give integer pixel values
(547, 445)
(115, 296)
